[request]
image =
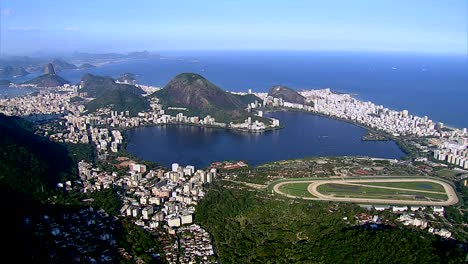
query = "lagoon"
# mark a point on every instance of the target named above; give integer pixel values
(304, 135)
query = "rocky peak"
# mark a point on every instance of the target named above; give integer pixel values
(49, 69)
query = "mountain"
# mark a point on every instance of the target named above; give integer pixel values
(30, 164)
(127, 78)
(95, 85)
(95, 56)
(120, 100)
(119, 97)
(287, 94)
(248, 98)
(49, 69)
(139, 54)
(63, 65)
(30, 167)
(109, 57)
(193, 91)
(12, 71)
(48, 79)
(86, 66)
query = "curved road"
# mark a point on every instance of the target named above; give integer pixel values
(312, 188)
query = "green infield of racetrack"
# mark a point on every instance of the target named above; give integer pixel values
(296, 189)
(422, 186)
(343, 190)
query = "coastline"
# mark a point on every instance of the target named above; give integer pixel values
(203, 126)
(397, 140)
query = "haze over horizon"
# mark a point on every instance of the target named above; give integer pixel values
(423, 26)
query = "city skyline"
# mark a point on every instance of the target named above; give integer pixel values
(104, 26)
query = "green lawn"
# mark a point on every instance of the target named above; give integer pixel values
(423, 186)
(296, 189)
(343, 190)
(447, 173)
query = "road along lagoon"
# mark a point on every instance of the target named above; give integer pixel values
(371, 190)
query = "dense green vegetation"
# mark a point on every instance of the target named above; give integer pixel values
(138, 241)
(407, 146)
(247, 98)
(201, 97)
(29, 164)
(79, 152)
(447, 174)
(95, 85)
(108, 199)
(120, 100)
(250, 226)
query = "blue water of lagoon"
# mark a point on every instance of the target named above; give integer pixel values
(304, 135)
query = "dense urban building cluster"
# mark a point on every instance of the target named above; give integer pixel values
(78, 232)
(157, 199)
(449, 144)
(414, 216)
(453, 148)
(194, 245)
(45, 102)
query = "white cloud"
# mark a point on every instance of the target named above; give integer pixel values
(6, 11)
(71, 29)
(23, 29)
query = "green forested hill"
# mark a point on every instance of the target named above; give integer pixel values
(201, 98)
(95, 85)
(30, 164)
(119, 100)
(30, 167)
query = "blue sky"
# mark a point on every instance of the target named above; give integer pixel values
(429, 26)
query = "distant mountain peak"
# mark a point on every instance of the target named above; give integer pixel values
(48, 80)
(194, 91)
(127, 77)
(49, 69)
(10, 71)
(63, 65)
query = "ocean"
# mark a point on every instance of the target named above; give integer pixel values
(424, 84)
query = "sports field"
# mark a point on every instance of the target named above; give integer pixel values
(390, 190)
